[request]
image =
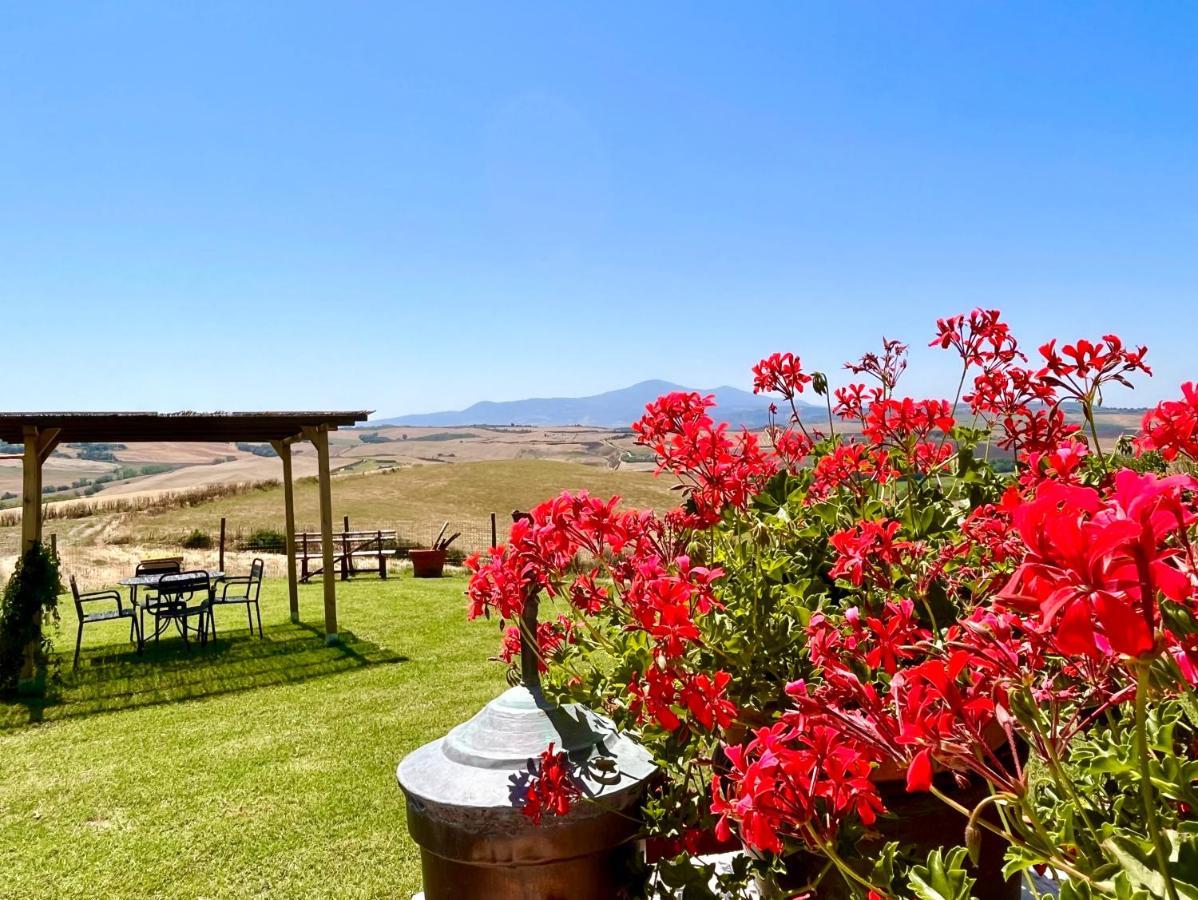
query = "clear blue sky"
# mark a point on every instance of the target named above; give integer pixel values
(286, 205)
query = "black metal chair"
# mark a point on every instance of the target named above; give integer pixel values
(251, 587)
(166, 566)
(107, 615)
(180, 597)
(169, 566)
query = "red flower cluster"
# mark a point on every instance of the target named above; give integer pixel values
(781, 373)
(663, 694)
(902, 423)
(854, 399)
(1171, 428)
(718, 472)
(852, 466)
(868, 550)
(1049, 592)
(1095, 362)
(882, 641)
(543, 546)
(1096, 567)
(661, 592)
(791, 447)
(551, 636)
(1022, 402)
(796, 779)
(551, 789)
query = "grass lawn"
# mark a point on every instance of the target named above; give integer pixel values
(252, 768)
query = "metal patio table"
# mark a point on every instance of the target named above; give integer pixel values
(151, 581)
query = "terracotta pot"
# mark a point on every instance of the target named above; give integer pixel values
(427, 563)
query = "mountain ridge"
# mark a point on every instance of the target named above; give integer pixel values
(610, 409)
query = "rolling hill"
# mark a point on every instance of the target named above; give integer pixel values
(612, 409)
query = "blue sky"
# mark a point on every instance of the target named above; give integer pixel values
(221, 206)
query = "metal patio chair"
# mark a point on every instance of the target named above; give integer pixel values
(249, 588)
(108, 615)
(181, 597)
(165, 566)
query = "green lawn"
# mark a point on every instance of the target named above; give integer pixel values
(253, 768)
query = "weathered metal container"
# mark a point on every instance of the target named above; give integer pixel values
(465, 793)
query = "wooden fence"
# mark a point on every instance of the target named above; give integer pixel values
(104, 564)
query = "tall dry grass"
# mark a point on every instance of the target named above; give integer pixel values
(82, 509)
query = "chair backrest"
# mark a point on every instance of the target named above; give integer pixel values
(257, 567)
(182, 585)
(170, 566)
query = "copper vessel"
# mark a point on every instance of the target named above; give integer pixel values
(465, 793)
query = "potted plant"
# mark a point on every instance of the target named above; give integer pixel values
(430, 562)
(968, 612)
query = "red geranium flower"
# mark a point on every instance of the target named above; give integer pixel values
(780, 373)
(1172, 426)
(551, 787)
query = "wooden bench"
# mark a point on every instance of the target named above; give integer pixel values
(348, 546)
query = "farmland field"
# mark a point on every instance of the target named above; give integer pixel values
(143, 499)
(104, 546)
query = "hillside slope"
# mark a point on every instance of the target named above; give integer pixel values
(611, 409)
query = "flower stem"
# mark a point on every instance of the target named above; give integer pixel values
(1146, 791)
(846, 870)
(1060, 776)
(1088, 410)
(1048, 853)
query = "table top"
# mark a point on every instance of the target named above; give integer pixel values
(152, 580)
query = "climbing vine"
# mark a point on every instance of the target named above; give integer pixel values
(30, 599)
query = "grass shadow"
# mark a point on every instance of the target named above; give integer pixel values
(111, 678)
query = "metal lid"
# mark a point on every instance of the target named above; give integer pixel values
(483, 763)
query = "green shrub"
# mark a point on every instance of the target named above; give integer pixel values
(256, 448)
(198, 540)
(373, 437)
(266, 540)
(30, 596)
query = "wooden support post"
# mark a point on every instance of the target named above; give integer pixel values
(38, 446)
(320, 439)
(221, 559)
(494, 532)
(283, 448)
(54, 545)
(31, 491)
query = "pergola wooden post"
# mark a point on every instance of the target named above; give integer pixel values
(283, 448)
(320, 440)
(38, 445)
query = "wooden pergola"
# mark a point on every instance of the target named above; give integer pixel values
(41, 432)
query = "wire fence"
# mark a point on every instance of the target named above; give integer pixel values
(103, 563)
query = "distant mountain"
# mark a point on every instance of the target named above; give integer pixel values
(614, 409)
